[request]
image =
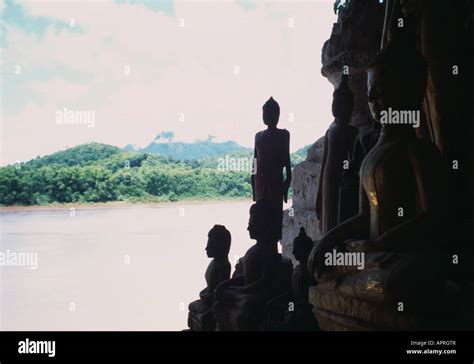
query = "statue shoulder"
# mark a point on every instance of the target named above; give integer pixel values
(285, 133)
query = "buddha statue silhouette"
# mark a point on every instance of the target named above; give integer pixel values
(271, 156)
(264, 274)
(291, 310)
(218, 246)
(338, 145)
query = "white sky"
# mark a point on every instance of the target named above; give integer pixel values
(174, 69)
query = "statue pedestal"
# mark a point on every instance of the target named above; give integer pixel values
(406, 294)
(200, 316)
(287, 313)
(241, 311)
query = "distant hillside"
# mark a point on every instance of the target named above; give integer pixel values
(164, 145)
(97, 172)
(80, 155)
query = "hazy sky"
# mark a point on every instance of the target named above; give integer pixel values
(196, 68)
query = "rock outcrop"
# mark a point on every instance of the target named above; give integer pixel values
(354, 42)
(305, 186)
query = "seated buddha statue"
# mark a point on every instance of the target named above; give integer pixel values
(402, 214)
(291, 311)
(240, 302)
(218, 246)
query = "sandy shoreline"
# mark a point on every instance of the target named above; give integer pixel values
(112, 204)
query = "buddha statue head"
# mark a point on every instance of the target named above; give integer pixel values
(397, 79)
(302, 246)
(343, 101)
(218, 242)
(263, 224)
(271, 112)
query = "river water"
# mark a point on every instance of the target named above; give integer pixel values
(133, 267)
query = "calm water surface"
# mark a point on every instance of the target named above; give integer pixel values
(114, 268)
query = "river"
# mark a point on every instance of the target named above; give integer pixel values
(133, 267)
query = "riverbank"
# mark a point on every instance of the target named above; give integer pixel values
(113, 204)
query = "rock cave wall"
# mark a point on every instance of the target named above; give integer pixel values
(353, 42)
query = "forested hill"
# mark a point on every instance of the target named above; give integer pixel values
(98, 173)
(81, 155)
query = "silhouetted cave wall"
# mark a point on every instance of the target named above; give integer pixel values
(445, 38)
